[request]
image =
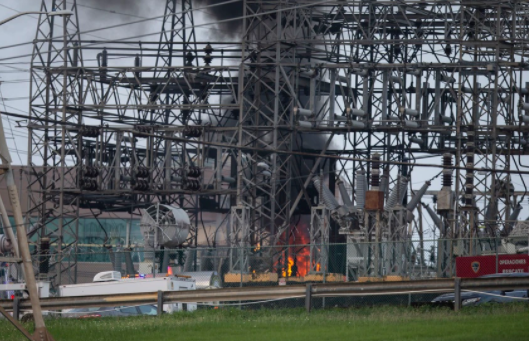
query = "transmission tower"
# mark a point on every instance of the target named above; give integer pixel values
(322, 111)
(57, 86)
(399, 79)
(95, 149)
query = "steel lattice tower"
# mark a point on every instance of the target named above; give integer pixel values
(56, 98)
(380, 85)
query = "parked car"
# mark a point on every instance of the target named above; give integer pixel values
(111, 311)
(497, 296)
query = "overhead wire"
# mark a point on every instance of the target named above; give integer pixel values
(143, 20)
(226, 2)
(126, 39)
(12, 99)
(34, 17)
(278, 151)
(138, 16)
(10, 126)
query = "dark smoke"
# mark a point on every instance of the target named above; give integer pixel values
(145, 8)
(225, 12)
(97, 13)
(121, 6)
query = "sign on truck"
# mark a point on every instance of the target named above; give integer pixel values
(476, 266)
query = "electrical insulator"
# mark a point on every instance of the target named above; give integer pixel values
(44, 258)
(88, 184)
(208, 49)
(375, 164)
(191, 185)
(448, 49)
(142, 130)
(375, 170)
(104, 59)
(194, 172)
(196, 185)
(192, 131)
(89, 131)
(142, 172)
(208, 58)
(189, 58)
(103, 63)
(90, 172)
(447, 172)
(75, 61)
(375, 180)
(141, 185)
(137, 64)
(469, 185)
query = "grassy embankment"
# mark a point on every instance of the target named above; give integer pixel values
(492, 322)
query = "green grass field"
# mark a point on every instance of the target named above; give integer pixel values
(493, 322)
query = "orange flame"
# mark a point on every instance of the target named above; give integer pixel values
(298, 263)
(288, 271)
(169, 271)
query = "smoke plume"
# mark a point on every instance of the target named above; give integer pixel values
(97, 13)
(225, 12)
(118, 6)
(105, 10)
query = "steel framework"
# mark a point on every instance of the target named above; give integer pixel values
(312, 88)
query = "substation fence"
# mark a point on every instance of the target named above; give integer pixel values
(287, 265)
(308, 293)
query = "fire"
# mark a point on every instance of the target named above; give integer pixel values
(298, 261)
(288, 271)
(169, 271)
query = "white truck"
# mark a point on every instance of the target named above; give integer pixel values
(43, 288)
(110, 282)
(20, 289)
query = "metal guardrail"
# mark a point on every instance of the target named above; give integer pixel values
(10, 260)
(282, 292)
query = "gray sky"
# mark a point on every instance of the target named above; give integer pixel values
(14, 73)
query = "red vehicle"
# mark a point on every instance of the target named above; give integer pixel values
(477, 266)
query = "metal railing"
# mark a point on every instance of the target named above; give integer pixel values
(307, 292)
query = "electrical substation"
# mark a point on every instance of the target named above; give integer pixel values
(318, 137)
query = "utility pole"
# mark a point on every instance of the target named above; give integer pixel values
(41, 333)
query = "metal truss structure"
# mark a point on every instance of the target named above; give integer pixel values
(329, 88)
